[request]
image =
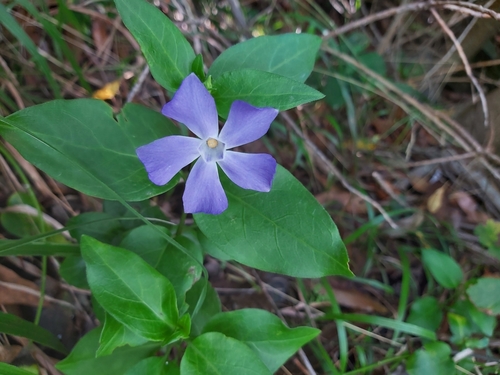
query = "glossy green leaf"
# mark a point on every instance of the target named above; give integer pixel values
(260, 89)
(210, 307)
(197, 67)
(168, 53)
(145, 303)
(154, 366)
(212, 249)
(284, 231)
(114, 335)
(443, 268)
(79, 143)
(180, 269)
(484, 294)
(426, 313)
(126, 218)
(6, 369)
(264, 332)
(74, 271)
(289, 55)
(98, 225)
(215, 354)
(434, 358)
(19, 225)
(82, 359)
(13, 325)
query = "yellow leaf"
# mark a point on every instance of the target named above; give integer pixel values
(435, 201)
(109, 91)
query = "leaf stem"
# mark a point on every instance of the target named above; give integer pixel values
(180, 226)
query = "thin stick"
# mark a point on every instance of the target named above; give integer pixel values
(468, 70)
(328, 165)
(138, 84)
(461, 6)
(388, 189)
(444, 159)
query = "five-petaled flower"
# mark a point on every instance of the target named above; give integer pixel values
(193, 106)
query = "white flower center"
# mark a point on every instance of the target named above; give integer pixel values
(212, 150)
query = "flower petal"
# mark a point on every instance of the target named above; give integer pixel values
(204, 192)
(165, 157)
(246, 124)
(249, 171)
(193, 105)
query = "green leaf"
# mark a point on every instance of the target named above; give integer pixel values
(289, 55)
(214, 354)
(434, 358)
(211, 248)
(13, 325)
(197, 68)
(484, 294)
(180, 269)
(489, 236)
(145, 303)
(154, 366)
(284, 231)
(477, 321)
(127, 218)
(168, 53)
(260, 89)
(114, 335)
(74, 271)
(79, 143)
(6, 369)
(264, 332)
(488, 233)
(443, 268)
(210, 307)
(426, 313)
(82, 359)
(98, 225)
(459, 327)
(20, 225)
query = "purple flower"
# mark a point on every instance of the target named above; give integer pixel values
(193, 106)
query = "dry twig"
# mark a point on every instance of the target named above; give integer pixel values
(465, 61)
(459, 6)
